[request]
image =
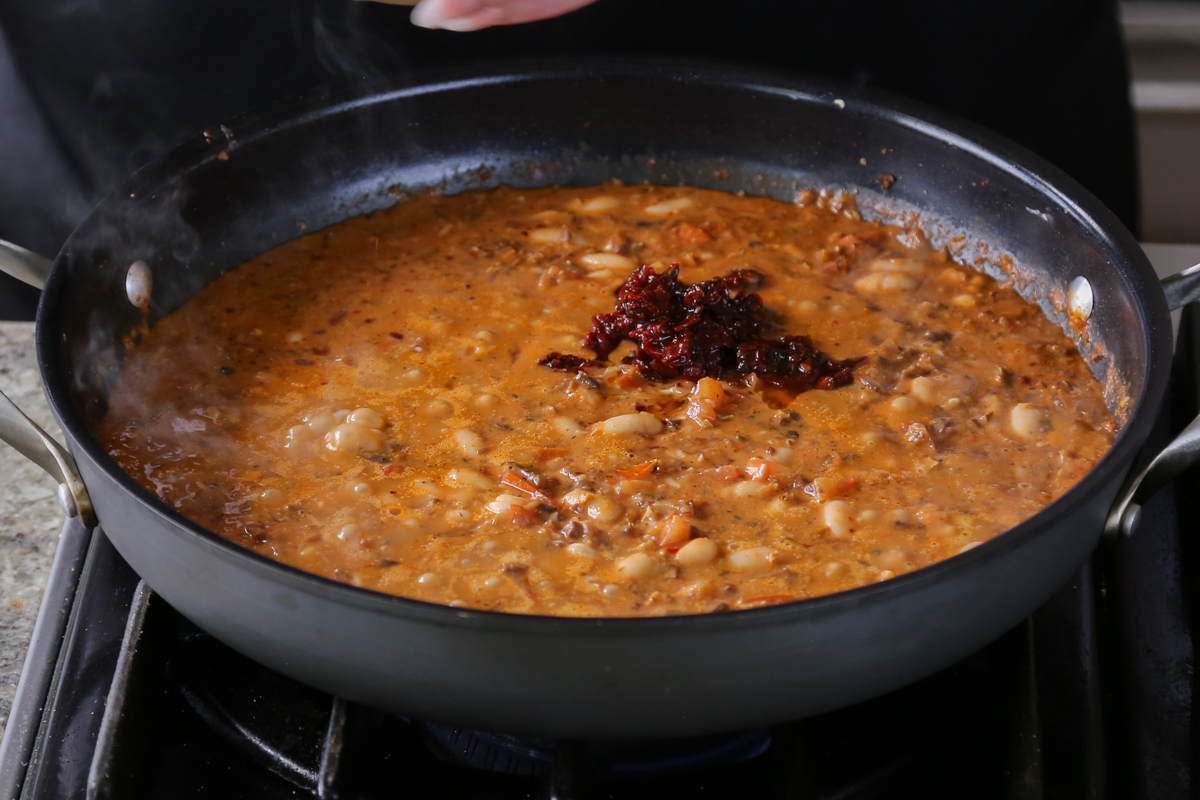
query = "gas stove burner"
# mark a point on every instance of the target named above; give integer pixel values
(494, 752)
(533, 756)
(1092, 696)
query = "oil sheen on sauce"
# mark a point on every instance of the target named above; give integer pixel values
(366, 403)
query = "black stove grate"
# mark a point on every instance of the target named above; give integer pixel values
(1090, 697)
(197, 720)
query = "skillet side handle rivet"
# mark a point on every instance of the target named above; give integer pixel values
(139, 284)
(1080, 298)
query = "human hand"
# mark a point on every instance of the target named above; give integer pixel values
(472, 15)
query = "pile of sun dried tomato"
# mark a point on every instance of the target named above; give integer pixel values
(711, 329)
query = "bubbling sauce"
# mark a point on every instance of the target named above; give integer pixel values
(374, 403)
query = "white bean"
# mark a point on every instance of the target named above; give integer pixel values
(752, 559)
(297, 435)
(438, 409)
(964, 301)
(874, 282)
(576, 497)
(428, 487)
(629, 487)
(924, 389)
(600, 204)
(603, 510)
(638, 565)
(782, 455)
(550, 235)
(642, 422)
(367, 417)
(697, 552)
(351, 438)
(897, 282)
(752, 488)
(1026, 421)
(582, 550)
(415, 375)
(470, 443)
(322, 424)
(567, 426)
(904, 403)
(834, 569)
(837, 517)
(469, 477)
(607, 261)
(486, 401)
(504, 502)
(669, 206)
(897, 265)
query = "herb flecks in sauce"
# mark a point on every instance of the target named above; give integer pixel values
(384, 420)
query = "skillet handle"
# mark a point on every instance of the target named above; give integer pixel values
(1172, 460)
(24, 265)
(28, 438)
(25, 435)
(1181, 288)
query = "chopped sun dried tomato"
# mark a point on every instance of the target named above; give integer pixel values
(638, 470)
(710, 329)
(564, 362)
(691, 234)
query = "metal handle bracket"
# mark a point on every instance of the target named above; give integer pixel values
(41, 448)
(1173, 459)
(1181, 288)
(24, 265)
(19, 430)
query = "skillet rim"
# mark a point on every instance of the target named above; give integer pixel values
(1067, 195)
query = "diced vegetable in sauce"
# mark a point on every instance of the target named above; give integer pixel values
(405, 402)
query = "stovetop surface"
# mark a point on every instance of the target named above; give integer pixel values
(1090, 697)
(198, 720)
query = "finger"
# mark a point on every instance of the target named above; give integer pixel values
(472, 15)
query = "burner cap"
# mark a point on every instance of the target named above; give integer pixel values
(533, 756)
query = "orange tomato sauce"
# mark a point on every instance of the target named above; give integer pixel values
(366, 403)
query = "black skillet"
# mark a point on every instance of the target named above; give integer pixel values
(220, 199)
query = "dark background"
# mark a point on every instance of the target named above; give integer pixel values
(92, 89)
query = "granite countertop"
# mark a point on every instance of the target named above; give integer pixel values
(30, 518)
